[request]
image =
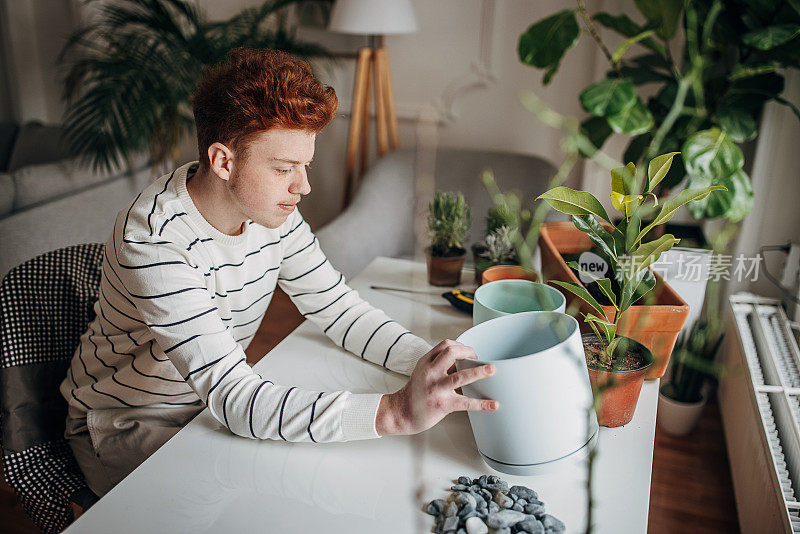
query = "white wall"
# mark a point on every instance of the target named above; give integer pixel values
(427, 66)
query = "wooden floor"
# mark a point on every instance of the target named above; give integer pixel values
(691, 486)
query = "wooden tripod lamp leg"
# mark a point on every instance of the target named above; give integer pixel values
(380, 103)
(383, 58)
(356, 121)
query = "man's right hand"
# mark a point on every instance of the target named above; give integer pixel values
(430, 393)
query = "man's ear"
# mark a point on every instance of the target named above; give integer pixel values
(221, 159)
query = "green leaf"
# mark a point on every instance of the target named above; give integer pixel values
(742, 201)
(771, 36)
(640, 75)
(741, 71)
(622, 179)
(626, 204)
(573, 202)
(711, 154)
(634, 120)
(666, 12)
(734, 204)
(597, 130)
(609, 328)
(648, 253)
(636, 288)
(737, 123)
(544, 44)
(623, 25)
(637, 147)
(599, 235)
(581, 293)
(605, 286)
(658, 169)
(628, 43)
(608, 97)
(669, 207)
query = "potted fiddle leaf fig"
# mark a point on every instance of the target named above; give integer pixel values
(449, 218)
(608, 304)
(693, 76)
(497, 247)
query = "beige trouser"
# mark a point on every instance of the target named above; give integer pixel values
(109, 444)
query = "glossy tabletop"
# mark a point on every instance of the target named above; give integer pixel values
(206, 479)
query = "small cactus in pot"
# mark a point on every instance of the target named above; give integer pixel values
(449, 218)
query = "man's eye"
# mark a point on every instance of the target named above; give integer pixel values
(283, 171)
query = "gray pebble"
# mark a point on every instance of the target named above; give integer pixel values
(473, 513)
(459, 487)
(487, 495)
(475, 526)
(475, 488)
(522, 502)
(493, 507)
(552, 524)
(466, 509)
(482, 480)
(504, 518)
(451, 509)
(531, 526)
(535, 508)
(505, 530)
(524, 493)
(504, 501)
(492, 479)
(466, 498)
(450, 524)
(518, 507)
(435, 507)
(466, 481)
(461, 531)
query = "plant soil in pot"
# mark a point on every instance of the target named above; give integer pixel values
(618, 384)
(445, 271)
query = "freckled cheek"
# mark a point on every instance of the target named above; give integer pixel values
(259, 196)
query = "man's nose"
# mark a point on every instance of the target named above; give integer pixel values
(300, 185)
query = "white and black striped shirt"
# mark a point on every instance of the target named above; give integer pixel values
(180, 300)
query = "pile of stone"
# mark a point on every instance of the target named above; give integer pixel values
(486, 504)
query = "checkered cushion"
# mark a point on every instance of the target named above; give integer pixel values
(45, 306)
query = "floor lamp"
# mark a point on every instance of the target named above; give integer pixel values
(376, 19)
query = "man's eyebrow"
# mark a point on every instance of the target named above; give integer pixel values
(293, 162)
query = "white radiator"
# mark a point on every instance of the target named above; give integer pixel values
(759, 399)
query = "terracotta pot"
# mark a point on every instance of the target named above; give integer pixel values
(655, 326)
(678, 418)
(619, 390)
(508, 272)
(481, 263)
(445, 271)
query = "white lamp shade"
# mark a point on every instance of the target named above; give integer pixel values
(373, 17)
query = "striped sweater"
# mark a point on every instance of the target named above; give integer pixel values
(179, 302)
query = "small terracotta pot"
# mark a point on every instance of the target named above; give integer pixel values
(445, 271)
(620, 389)
(508, 272)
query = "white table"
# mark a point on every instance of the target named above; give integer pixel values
(206, 479)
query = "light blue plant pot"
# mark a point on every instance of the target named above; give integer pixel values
(545, 418)
(504, 297)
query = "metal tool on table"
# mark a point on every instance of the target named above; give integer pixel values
(459, 299)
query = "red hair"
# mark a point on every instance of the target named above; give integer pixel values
(253, 91)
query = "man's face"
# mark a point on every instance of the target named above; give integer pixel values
(272, 178)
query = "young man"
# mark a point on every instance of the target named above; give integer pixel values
(189, 271)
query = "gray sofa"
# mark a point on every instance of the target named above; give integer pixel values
(379, 221)
(49, 201)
